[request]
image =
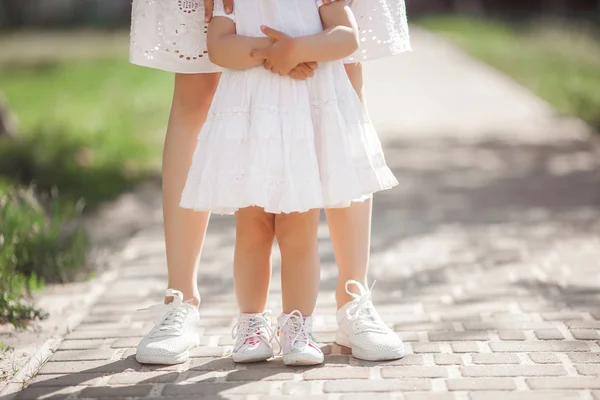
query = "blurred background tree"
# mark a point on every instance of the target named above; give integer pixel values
(115, 13)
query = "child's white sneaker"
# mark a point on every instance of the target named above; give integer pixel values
(253, 336)
(361, 329)
(297, 343)
(175, 332)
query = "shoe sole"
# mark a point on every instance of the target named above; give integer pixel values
(167, 360)
(299, 359)
(395, 354)
(240, 359)
(164, 360)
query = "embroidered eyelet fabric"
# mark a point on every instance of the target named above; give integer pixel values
(171, 34)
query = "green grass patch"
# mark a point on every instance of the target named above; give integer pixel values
(560, 62)
(89, 129)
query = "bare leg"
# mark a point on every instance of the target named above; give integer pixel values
(184, 229)
(350, 228)
(255, 232)
(297, 237)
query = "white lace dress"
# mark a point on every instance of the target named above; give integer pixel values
(284, 145)
(171, 34)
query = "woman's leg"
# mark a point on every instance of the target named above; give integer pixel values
(184, 229)
(350, 227)
(255, 232)
(297, 237)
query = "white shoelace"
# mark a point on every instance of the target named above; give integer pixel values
(169, 318)
(362, 311)
(302, 335)
(253, 326)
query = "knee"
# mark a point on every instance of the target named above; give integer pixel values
(296, 231)
(255, 230)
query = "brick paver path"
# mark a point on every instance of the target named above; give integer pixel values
(486, 258)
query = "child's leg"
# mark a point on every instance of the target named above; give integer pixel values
(255, 231)
(297, 237)
(184, 229)
(350, 228)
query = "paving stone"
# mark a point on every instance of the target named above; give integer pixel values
(47, 392)
(587, 324)
(297, 388)
(63, 380)
(465, 347)
(511, 335)
(136, 378)
(588, 369)
(430, 396)
(501, 358)
(449, 336)
(447, 359)
(548, 334)
(103, 392)
(210, 388)
(212, 364)
(545, 358)
(89, 367)
(585, 357)
(541, 346)
(562, 315)
(82, 355)
(126, 342)
(374, 396)
(336, 373)
(567, 383)
(596, 395)
(426, 347)
(513, 370)
(414, 372)
(409, 359)
(255, 374)
(386, 385)
(585, 334)
(466, 384)
(526, 395)
(81, 344)
(105, 334)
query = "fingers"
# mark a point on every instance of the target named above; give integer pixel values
(312, 65)
(306, 70)
(297, 75)
(228, 4)
(268, 66)
(273, 34)
(208, 10)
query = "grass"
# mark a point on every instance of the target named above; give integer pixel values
(90, 128)
(560, 62)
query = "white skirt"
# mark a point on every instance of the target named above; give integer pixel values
(171, 34)
(286, 146)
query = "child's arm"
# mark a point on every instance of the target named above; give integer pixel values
(228, 50)
(337, 41)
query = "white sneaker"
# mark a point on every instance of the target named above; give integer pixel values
(175, 332)
(253, 333)
(297, 343)
(361, 329)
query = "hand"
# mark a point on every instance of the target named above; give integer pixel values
(209, 6)
(281, 57)
(303, 71)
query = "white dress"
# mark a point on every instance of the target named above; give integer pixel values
(284, 145)
(171, 34)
